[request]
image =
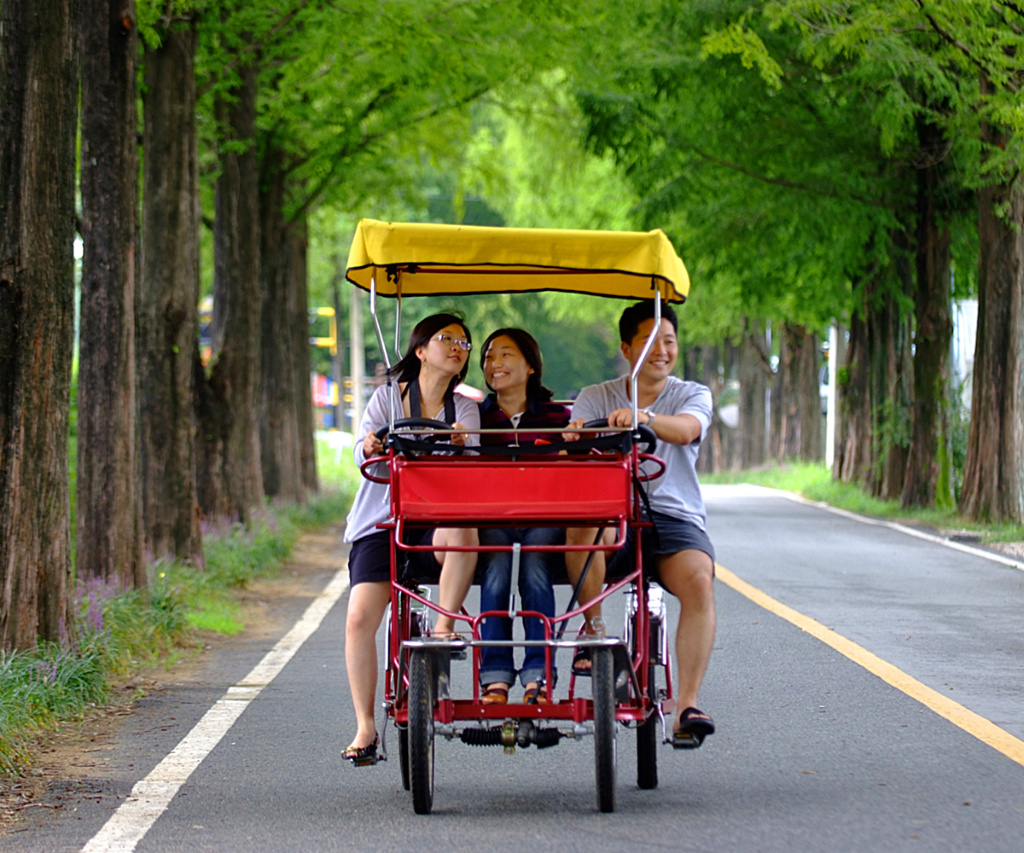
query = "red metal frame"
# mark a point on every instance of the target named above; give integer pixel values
(480, 491)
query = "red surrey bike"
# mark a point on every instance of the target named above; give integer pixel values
(598, 481)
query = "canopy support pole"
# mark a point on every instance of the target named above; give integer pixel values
(383, 349)
(648, 344)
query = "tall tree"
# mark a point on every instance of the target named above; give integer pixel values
(994, 472)
(876, 383)
(39, 46)
(166, 317)
(232, 482)
(284, 390)
(770, 189)
(800, 425)
(928, 478)
(948, 49)
(351, 105)
(108, 542)
(754, 372)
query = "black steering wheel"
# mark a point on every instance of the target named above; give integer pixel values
(417, 423)
(416, 443)
(648, 439)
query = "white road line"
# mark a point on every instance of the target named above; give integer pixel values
(151, 797)
(766, 491)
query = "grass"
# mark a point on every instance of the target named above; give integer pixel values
(814, 482)
(119, 633)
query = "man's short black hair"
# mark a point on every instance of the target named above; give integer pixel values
(634, 315)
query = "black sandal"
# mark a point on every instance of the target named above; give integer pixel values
(581, 656)
(694, 726)
(363, 756)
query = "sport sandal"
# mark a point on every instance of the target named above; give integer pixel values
(694, 726)
(494, 694)
(536, 695)
(363, 756)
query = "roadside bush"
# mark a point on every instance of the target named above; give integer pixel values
(121, 632)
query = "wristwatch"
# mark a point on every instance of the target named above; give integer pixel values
(650, 416)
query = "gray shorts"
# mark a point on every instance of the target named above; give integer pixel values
(669, 535)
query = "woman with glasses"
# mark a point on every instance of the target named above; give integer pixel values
(423, 385)
(518, 403)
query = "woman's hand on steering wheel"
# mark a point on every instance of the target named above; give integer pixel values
(372, 445)
(459, 438)
(443, 431)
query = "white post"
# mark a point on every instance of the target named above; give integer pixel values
(357, 358)
(836, 355)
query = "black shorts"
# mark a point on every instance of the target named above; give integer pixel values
(669, 535)
(369, 558)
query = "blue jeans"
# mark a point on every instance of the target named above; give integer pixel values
(496, 664)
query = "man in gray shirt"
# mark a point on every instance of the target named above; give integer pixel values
(680, 556)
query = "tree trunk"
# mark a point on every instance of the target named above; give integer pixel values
(38, 111)
(799, 400)
(705, 365)
(893, 380)
(808, 365)
(167, 315)
(280, 431)
(108, 542)
(754, 370)
(929, 476)
(296, 245)
(994, 472)
(873, 435)
(852, 462)
(231, 438)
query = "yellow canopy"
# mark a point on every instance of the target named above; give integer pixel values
(410, 259)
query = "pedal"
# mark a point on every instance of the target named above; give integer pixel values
(456, 649)
(685, 740)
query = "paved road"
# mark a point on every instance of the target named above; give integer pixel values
(867, 685)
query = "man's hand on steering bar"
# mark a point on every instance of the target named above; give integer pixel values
(624, 418)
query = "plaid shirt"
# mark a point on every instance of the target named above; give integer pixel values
(538, 415)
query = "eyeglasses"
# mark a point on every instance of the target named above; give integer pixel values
(449, 341)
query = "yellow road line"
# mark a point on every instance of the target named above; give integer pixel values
(974, 724)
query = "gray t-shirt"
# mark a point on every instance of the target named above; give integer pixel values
(372, 503)
(677, 491)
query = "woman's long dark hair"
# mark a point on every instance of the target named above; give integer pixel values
(528, 346)
(408, 369)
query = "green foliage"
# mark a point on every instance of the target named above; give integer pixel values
(39, 688)
(926, 59)
(959, 428)
(528, 159)
(770, 190)
(356, 98)
(736, 39)
(891, 429)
